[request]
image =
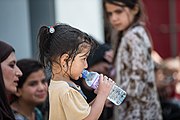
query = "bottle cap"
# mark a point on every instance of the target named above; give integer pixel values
(84, 73)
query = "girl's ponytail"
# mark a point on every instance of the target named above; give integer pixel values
(44, 44)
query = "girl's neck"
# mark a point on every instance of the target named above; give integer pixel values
(132, 25)
(25, 109)
(59, 75)
(61, 78)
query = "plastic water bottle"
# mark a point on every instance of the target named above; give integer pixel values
(117, 95)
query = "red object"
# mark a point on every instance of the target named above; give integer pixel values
(177, 96)
(178, 24)
(159, 14)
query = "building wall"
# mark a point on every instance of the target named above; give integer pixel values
(86, 15)
(41, 13)
(15, 27)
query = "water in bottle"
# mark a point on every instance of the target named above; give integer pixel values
(117, 95)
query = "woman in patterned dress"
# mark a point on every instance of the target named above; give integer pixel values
(133, 63)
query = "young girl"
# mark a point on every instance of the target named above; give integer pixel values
(31, 91)
(133, 63)
(66, 49)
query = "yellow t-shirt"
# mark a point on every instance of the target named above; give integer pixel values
(66, 103)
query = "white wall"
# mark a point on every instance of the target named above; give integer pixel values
(85, 15)
(14, 26)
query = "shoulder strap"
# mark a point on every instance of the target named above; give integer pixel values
(80, 91)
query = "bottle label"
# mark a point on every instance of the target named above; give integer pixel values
(117, 95)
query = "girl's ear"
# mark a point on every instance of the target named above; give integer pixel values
(63, 60)
(135, 10)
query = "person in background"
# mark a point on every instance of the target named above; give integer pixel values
(66, 49)
(167, 79)
(9, 77)
(31, 91)
(132, 60)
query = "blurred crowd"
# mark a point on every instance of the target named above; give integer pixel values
(168, 80)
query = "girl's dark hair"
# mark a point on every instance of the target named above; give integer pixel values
(64, 39)
(140, 16)
(27, 66)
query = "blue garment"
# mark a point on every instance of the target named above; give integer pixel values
(19, 116)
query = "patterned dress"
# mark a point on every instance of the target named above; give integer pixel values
(135, 74)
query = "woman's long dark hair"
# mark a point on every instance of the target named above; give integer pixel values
(5, 110)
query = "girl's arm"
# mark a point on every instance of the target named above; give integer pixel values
(103, 91)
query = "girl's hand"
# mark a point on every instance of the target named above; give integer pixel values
(105, 85)
(103, 90)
